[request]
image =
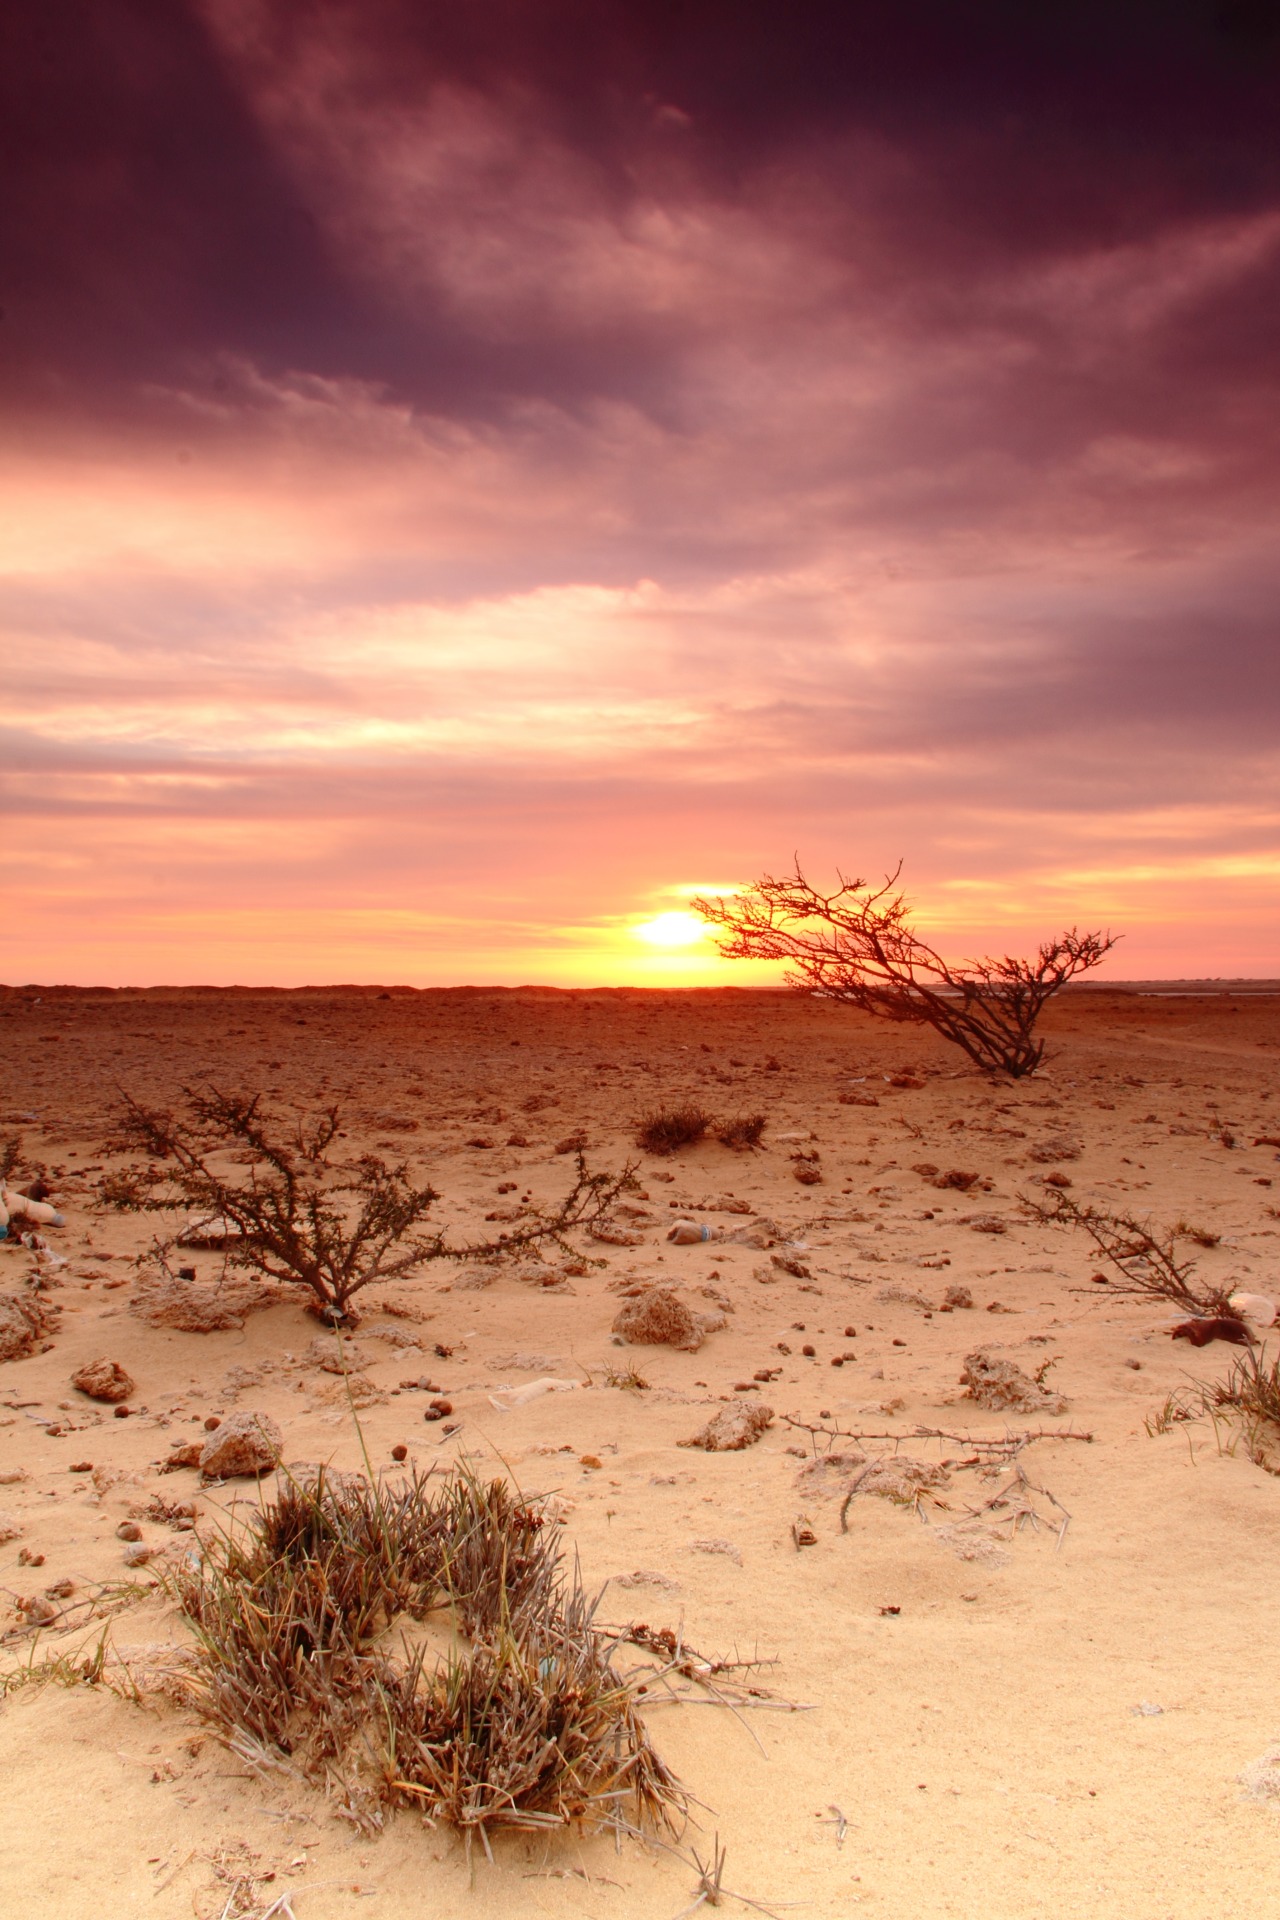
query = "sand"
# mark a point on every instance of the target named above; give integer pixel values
(1011, 1723)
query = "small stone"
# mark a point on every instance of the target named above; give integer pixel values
(128, 1530)
(186, 1455)
(60, 1590)
(591, 1460)
(103, 1380)
(957, 1296)
(26, 1558)
(137, 1555)
(39, 1611)
(81, 1466)
(212, 1422)
(736, 1426)
(438, 1410)
(809, 1352)
(400, 1452)
(122, 1413)
(244, 1445)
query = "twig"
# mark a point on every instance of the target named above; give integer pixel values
(839, 1822)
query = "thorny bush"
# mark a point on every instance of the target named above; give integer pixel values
(1145, 1259)
(287, 1204)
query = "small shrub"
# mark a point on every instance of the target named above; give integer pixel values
(301, 1212)
(743, 1130)
(1144, 1259)
(671, 1127)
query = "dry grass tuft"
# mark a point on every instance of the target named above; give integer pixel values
(526, 1724)
(743, 1130)
(668, 1128)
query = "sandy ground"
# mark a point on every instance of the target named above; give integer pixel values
(984, 1703)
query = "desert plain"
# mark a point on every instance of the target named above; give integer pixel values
(1030, 1688)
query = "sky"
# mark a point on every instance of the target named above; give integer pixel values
(472, 476)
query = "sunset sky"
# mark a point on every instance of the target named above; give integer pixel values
(473, 475)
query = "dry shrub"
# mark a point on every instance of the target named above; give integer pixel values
(743, 1130)
(1144, 1258)
(301, 1213)
(526, 1725)
(668, 1128)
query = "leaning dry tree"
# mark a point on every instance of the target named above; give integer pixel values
(858, 945)
(290, 1206)
(1144, 1260)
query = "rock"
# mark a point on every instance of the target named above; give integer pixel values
(39, 1611)
(986, 1222)
(1059, 1147)
(659, 1319)
(899, 1478)
(1003, 1387)
(186, 1454)
(137, 1555)
(957, 1296)
(806, 1173)
(734, 1427)
(201, 1306)
(724, 1547)
(25, 1320)
(245, 1444)
(128, 1530)
(10, 1528)
(904, 1296)
(103, 1380)
(612, 1234)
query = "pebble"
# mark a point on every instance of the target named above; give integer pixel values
(128, 1530)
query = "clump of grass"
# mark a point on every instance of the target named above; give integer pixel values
(669, 1128)
(526, 1725)
(627, 1379)
(1250, 1392)
(1203, 1236)
(743, 1130)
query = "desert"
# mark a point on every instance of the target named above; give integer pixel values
(995, 1678)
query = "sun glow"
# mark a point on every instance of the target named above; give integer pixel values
(674, 929)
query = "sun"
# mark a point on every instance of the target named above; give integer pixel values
(674, 929)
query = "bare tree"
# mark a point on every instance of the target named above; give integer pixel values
(297, 1212)
(858, 945)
